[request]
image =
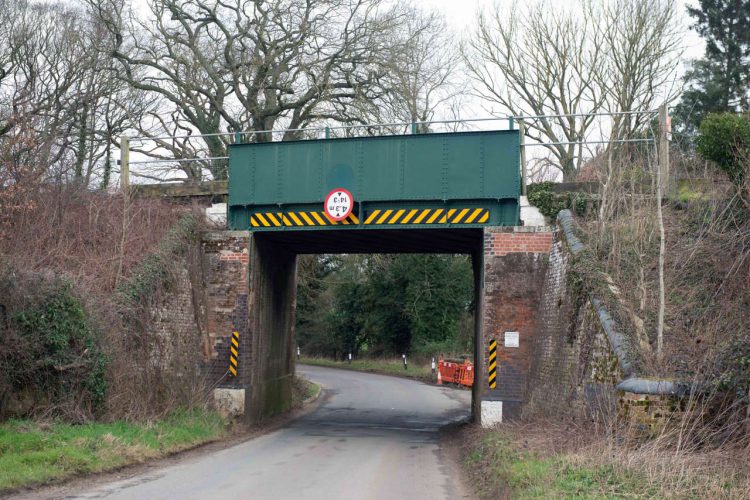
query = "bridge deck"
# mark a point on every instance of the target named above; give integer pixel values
(467, 179)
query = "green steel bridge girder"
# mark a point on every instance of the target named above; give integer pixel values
(465, 179)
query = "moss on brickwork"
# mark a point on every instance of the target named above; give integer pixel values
(650, 414)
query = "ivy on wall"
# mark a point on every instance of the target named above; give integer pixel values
(549, 202)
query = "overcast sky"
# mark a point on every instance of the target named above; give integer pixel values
(461, 16)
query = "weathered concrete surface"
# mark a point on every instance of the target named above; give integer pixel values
(230, 402)
(273, 292)
(373, 437)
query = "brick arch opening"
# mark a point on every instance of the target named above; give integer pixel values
(258, 270)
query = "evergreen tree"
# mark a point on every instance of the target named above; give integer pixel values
(720, 81)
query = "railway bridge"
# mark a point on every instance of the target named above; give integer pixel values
(455, 193)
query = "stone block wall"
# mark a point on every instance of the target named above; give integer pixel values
(575, 369)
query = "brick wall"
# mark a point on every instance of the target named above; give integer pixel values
(177, 340)
(514, 264)
(225, 260)
(206, 303)
(572, 361)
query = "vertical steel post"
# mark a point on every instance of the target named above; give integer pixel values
(124, 163)
(510, 123)
(414, 128)
(328, 132)
(237, 137)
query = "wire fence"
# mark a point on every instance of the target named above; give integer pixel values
(188, 157)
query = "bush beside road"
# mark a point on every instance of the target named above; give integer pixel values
(34, 453)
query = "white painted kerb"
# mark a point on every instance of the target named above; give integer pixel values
(230, 402)
(492, 413)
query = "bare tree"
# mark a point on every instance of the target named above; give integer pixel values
(580, 57)
(540, 61)
(641, 42)
(247, 65)
(422, 70)
(40, 63)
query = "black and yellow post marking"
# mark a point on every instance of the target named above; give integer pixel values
(234, 349)
(492, 378)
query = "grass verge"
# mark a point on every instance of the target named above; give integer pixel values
(34, 453)
(501, 466)
(545, 460)
(383, 366)
(303, 390)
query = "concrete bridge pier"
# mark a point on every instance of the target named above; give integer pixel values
(273, 291)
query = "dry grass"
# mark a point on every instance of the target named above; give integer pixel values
(560, 458)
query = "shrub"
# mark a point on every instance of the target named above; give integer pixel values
(550, 203)
(725, 139)
(48, 349)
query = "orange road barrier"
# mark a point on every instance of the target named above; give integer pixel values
(456, 372)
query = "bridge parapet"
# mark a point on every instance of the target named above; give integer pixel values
(436, 180)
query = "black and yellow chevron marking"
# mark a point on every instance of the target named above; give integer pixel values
(492, 365)
(297, 219)
(428, 216)
(234, 349)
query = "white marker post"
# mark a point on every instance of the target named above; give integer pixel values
(350, 357)
(298, 353)
(433, 365)
(404, 356)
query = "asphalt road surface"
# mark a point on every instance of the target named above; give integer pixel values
(373, 437)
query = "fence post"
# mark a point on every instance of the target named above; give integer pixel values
(522, 133)
(124, 163)
(665, 132)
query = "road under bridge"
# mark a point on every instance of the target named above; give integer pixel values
(454, 193)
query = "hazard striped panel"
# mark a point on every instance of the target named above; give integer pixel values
(234, 349)
(297, 219)
(492, 365)
(377, 217)
(428, 216)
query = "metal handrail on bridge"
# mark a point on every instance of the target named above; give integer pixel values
(411, 127)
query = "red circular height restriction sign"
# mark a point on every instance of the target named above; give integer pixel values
(339, 204)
